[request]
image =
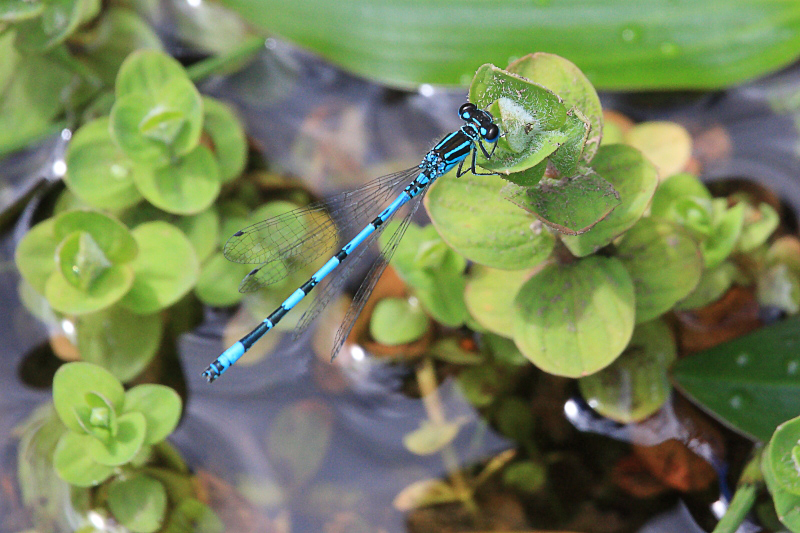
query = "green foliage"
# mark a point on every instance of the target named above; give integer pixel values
(779, 465)
(756, 373)
(620, 45)
(397, 321)
(108, 427)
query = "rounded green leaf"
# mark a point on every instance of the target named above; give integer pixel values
(474, 219)
(192, 515)
(80, 261)
(664, 262)
(139, 503)
(714, 282)
(299, 438)
(636, 385)
(665, 144)
(154, 128)
(147, 72)
(58, 20)
(184, 188)
(166, 268)
(490, 296)
(780, 471)
(119, 341)
(107, 289)
(71, 385)
(529, 476)
(430, 437)
(227, 135)
(161, 407)
(397, 321)
(674, 188)
(98, 172)
(35, 255)
(529, 114)
(74, 465)
(758, 226)
(122, 446)
(480, 385)
(218, 284)
(202, 230)
(635, 179)
(111, 235)
(727, 226)
(572, 86)
(16, 10)
(574, 319)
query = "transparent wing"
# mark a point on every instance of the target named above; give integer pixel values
(335, 284)
(372, 277)
(308, 232)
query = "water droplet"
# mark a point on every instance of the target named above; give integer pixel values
(631, 34)
(740, 400)
(668, 49)
(742, 359)
(792, 367)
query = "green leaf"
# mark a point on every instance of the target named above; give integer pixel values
(574, 319)
(528, 113)
(635, 385)
(299, 439)
(16, 10)
(71, 385)
(98, 172)
(474, 219)
(116, 34)
(667, 145)
(424, 493)
(727, 226)
(396, 321)
(166, 268)
(119, 341)
(123, 446)
(161, 407)
(107, 289)
(528, 476)
(80, 260)
(147, 72)
(713, 284)
(35, 254)
(58, 20)
(570, 205)
(187, 187)
(621, 45)
(138, 502)
(675, 188)
(489, 295)
(227, 136)
(202, 230)
(664, 262)
(218, 284)
(154, 128)
(777, 286)
(781, 475)
(573, 87)
(74, 465)
(758, 226)
(430, 437)
(433, 270)
(634, 178)
(514, 418)
(111, 235)
(480, 384)
(756, 373)
(504, 351)
(191, 515)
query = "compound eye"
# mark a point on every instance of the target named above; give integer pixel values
(466, 109)
(492, 132)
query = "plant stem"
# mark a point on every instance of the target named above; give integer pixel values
(216, 64)
(741, 504)
(745, 496)
(426, 378)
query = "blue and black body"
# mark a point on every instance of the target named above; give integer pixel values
(453, 150)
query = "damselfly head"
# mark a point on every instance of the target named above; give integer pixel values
(469, 112)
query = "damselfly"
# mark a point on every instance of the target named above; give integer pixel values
(288, 242)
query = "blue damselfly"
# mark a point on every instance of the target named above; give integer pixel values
(288, 242)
